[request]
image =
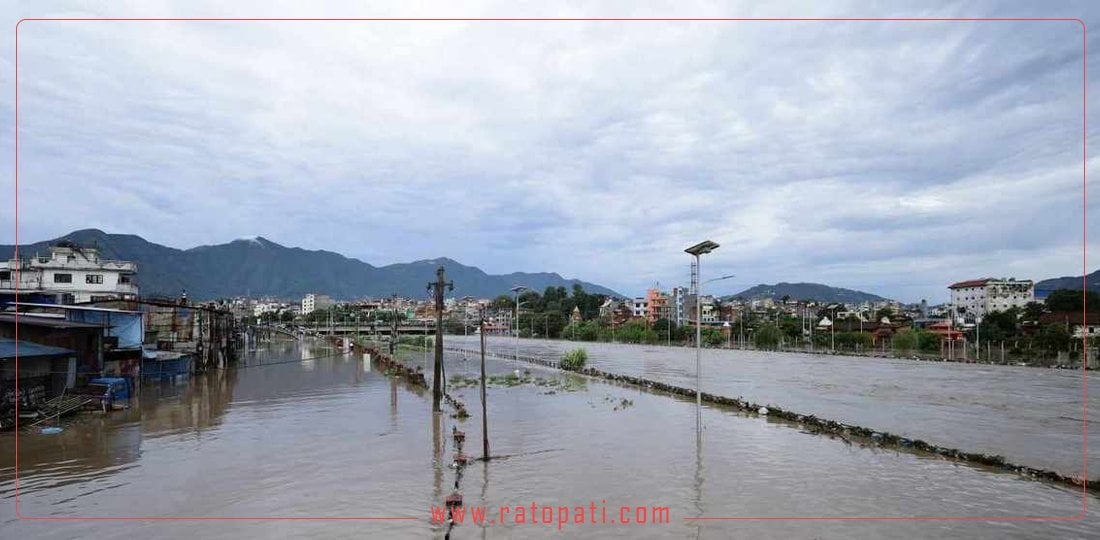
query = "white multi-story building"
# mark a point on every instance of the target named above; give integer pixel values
(974, 298)
(313, 302)
(709, 308)
(679, 298)
(639, 307)
(72, 274)
(266, 307)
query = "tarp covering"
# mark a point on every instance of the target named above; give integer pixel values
(127, 326)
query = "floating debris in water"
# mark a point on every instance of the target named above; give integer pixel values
(51, 430)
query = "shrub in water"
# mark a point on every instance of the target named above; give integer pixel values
(574, 360)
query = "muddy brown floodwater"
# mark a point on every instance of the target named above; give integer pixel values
(303, 431)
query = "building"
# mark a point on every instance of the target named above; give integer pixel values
(44, 373)
(260, 308)
(70, 274)
(710, 309)
(85, 340)
(122, 338)
(608, 308)
(658, 306)
(639, 307)
(1081, 327)
(313, 302)
(679, 298)
(974, 298)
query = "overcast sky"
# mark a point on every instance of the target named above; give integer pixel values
(891, 157)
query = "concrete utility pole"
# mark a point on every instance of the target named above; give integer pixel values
(393, 323)
(515, 363)
(484, 416)
(437, 383)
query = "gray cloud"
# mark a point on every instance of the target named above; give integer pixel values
(890, 157)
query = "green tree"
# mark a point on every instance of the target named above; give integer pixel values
(1072, 300)
(999, 325)
(1033, 310)
(1054, 337)
(906, 340)
(791, 328)
(766, 337)
(713, 337)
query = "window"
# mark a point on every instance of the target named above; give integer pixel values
(93, 279)
(123, 278)
(72, 258)
(62, 278)
(5, 275)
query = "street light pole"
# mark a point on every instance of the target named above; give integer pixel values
(701, 248)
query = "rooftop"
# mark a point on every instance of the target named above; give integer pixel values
(44, 322)
(78, 308)
(28, 349)
(969, 283)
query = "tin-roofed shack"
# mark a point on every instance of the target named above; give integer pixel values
(44, 372)
(84, 339)
(122, 333)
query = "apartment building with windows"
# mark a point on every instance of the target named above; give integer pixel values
(70, 274)
(312, 302)
(975, 298)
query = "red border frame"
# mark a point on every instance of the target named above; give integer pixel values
(747, 518)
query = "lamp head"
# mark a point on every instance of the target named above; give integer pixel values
(702, 248)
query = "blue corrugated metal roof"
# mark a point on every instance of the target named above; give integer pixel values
(28, 349)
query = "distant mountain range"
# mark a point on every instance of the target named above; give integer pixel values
(807, 291)
(1069, 282)
(260, 267)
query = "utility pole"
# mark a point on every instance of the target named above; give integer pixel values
(484, 416)
(437, 383)
(832, 333)
(393, 323)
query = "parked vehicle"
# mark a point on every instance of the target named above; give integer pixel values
(108, 393)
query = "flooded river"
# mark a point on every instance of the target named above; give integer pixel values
(1031, 416)
(303, 431)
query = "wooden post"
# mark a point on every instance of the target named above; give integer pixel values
(484, 416)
